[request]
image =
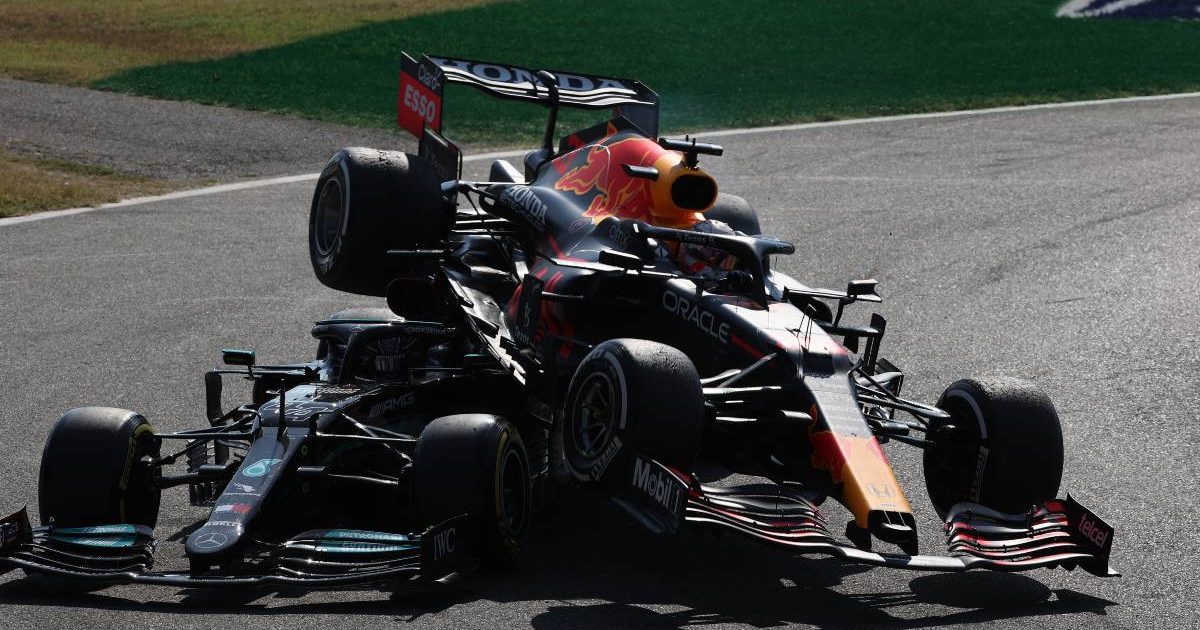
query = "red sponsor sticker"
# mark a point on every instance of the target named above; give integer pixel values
(417, 106)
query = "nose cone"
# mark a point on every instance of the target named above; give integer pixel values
(212, 540)
(897, 528)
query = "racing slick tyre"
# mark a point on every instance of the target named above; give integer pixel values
(1002, 447)
(631, 395)
(368, 201)
(735, 212)
(476, 464)
(90, 473)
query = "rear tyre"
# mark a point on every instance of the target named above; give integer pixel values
(368, 201)
(476, 464)
(631, 395)
(735, 212)
(1002, 447)
(90, 472)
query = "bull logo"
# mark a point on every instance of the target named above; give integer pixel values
(616, 193)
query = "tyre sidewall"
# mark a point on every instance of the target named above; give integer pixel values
(505, 547)
(605, 364)
(334, 173)
(389, 200)
(658, 402)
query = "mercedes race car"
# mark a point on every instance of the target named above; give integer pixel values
(599, 317)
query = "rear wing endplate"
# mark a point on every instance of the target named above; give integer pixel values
(419, 111)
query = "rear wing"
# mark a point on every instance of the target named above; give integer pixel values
(422, 81)
(574, 90)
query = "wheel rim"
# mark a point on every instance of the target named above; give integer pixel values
(514, 492)
(595, 417)
(958, 452)
(950, 466)
(331, 213)
(141, 501)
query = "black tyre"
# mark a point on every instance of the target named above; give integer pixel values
(1002, 447)
(90, 473)
(476, 464)
(368, 201)
(736, 212)
(631, 395)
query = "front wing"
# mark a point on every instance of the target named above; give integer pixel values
(123, 553)
(1057, 533)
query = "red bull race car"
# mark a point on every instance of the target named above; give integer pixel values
(601, 316)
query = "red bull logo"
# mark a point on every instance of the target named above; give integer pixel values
(617, 194)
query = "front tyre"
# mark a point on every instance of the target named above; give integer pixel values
(92, 472)
(476, 465)
(631, 395)
(1002, 447)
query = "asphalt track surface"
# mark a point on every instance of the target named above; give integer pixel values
(1057, 245)
(167, 140)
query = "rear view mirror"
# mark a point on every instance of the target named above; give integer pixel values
(232, 356)
(644, 172)
(620, 259)
(863, 289)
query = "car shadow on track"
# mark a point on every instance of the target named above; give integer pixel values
(591, 553)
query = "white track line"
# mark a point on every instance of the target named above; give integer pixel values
(211, 190)
(182, 194)
(953, 114)
(497, 155)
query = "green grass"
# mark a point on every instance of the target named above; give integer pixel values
(715, 64)
(33, 184)
(78, 41)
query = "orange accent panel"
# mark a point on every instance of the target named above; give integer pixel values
(859, 467)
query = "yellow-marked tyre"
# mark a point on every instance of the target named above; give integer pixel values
(476, 465)
(91, 471)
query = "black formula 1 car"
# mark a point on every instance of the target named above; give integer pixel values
(601, 317)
